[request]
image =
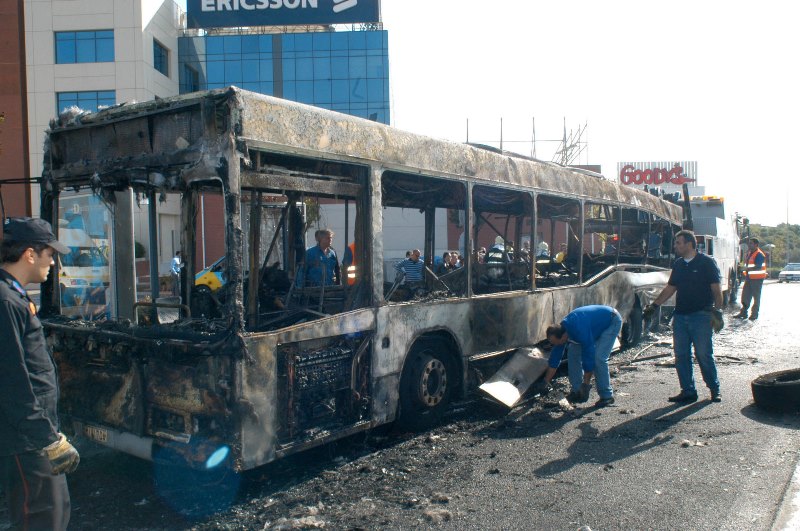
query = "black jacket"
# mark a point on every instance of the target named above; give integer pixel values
(28, 380)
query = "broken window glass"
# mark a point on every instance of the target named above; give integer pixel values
(304, 228)
(557, 246)
(633, 236)
(659, 242)
(155, 280)
(601, 238)
(503, 227)
(209, 277)
(423, 218)
(84, 274)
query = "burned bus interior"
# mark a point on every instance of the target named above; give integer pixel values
(557, 248)
(285, 201)
(431, 212)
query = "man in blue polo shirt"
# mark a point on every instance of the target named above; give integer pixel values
(321, 266)
(695, 277)
(588, 335)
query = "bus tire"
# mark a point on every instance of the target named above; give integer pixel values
(426, 386)
(778, 391)
(732, 287)
(631, 333)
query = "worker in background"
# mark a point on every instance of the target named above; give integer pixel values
(754, 274)
(498, 253)
(698, 310)
(444, 266)
(34, 454)
(349, 263)
(175, 272)
(412, 267)
(587, 334)
(542, 249)
(321, 266)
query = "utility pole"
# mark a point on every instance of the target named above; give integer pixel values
(501, 134)
(788, 229)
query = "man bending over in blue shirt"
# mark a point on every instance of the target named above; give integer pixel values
(588, 335)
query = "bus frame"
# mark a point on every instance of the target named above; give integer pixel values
(297, 366)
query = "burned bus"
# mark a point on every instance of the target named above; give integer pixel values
(269, 363)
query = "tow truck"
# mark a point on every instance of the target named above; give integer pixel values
(718, 237)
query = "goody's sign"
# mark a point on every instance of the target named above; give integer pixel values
(246, 13)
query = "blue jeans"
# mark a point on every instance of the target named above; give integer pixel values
(694, 329)
(602, 350)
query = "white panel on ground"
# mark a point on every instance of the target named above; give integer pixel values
(516, 376)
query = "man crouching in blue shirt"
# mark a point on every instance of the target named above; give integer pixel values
(588, 335)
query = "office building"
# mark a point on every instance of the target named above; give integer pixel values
(94, 53)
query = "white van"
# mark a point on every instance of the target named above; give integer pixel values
(83, 275)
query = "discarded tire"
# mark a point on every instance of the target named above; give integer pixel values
(778, 391)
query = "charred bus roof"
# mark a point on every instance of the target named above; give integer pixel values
(172, 142)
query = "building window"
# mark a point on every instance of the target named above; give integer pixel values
(84, 46)
(90, 100)
(190, 81)
(160, 58)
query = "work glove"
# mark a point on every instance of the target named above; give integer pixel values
(717, 322)
(542, 388)
(649, 310)
(64, 458)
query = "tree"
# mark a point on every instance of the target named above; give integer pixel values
(785, 238)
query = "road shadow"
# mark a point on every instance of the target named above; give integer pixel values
(772, 418)
(631, 437)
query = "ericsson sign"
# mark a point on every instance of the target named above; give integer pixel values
(246, 13)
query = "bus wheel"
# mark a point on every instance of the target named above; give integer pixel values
(732, 287)
(631, 333)
(426, 386)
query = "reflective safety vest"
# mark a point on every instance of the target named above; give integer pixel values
(351, 269)
(753, 272)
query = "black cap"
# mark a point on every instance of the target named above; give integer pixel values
(31, 230)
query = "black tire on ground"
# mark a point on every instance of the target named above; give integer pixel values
(426, 386)
(778, 391)
(631, 333)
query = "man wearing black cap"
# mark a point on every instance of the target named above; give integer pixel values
(34, 454)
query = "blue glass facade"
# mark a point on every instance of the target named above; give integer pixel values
(344, 71)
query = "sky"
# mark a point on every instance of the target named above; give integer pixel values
(712, 81)
(717, 82)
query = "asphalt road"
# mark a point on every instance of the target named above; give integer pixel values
(647, 464)
(640, 464)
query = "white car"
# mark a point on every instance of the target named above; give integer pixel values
(789, 273)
